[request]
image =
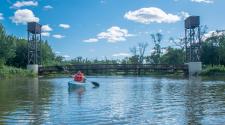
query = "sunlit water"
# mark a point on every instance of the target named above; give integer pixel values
(119, 100)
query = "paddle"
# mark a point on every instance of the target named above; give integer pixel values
(96, 84)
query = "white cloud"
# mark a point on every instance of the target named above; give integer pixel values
(48, 7)
(23, 16)
(20, 4)
(121, 55)
(203, 1)
(1, 16)
(91, 40)
(66, 56)
(46, 28)
(58, 36)
(114, 34)
(151, 15)
(184, 14)
(65, 26)
(47, 34)
(58, 52)
(213, 33)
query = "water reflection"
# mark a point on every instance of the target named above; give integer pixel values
(24, 102)
(193, 94)
(204, 101)
(119, 100)
(79, 91)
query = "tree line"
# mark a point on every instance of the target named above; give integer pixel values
(13, 52)
(212, 52)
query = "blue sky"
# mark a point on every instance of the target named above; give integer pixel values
(107, 28)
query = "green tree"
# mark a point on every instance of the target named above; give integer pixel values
(20, 59)
(47, 55)
(173, 56)
(13, 51)
(7, 46)
(154, 58)
(213, 49)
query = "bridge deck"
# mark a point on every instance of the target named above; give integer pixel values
(114, 68)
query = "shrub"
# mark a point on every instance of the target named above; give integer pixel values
(9, 72)
(213, 70)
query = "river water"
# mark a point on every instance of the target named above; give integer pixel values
(118, 100)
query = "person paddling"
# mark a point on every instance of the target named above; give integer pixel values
(79, 77)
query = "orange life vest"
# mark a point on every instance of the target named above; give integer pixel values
(79, 77)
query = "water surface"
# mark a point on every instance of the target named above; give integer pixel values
(119, 100)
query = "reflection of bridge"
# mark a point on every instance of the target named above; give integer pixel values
(111, 68)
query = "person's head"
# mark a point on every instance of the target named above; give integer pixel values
(79, 72)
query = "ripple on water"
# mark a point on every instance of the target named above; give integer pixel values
(119, 100)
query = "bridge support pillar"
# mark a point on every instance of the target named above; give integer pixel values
(33, 67)
(194, 68)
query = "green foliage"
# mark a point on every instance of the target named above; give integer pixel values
(214, 70)
(20, 59)
(13, 51)
(9, 72)
(213, 50)
(7, 46)
(154, 58)
(81, 60)
(173, 56)
(48, 56)
(138, 53)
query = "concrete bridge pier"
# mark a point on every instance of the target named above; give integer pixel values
(33, 67)
(194, 68)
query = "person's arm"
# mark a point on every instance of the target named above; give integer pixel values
(73, 75)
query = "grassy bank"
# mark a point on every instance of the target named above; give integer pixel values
(9, 72)
(213, 71)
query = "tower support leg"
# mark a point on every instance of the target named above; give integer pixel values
(33, 67)
(194, 68)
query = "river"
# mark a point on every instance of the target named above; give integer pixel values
(118, 100)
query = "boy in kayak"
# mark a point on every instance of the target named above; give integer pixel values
(79, 77)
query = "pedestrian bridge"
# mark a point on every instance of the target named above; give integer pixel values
(114, 68)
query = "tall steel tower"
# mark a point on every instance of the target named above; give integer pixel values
(34, 43)
(192, 39)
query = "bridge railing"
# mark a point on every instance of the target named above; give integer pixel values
(76, 67)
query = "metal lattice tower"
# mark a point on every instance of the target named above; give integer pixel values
(192, 39)
(34, 43)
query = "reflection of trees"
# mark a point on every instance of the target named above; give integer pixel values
(194, 107)
(23, 99)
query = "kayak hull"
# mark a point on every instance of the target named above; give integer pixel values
(74, 84)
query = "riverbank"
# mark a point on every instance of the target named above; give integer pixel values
(213, 71)
(9, 72)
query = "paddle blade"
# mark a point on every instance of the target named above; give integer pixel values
(95, 84)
